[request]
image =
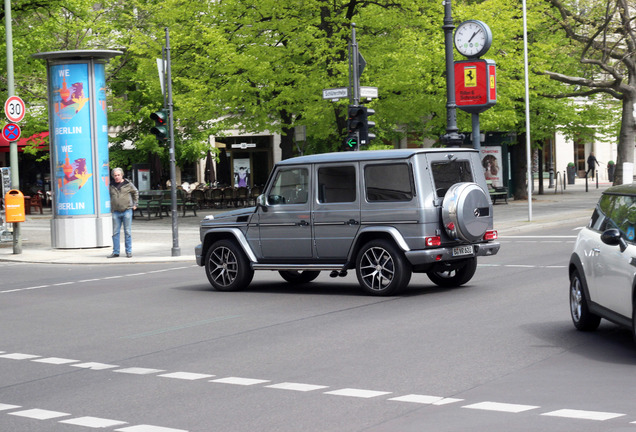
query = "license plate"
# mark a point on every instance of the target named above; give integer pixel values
(462, 250)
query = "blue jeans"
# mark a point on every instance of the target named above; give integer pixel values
(124, 217)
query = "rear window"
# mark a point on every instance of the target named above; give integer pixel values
(388, 182)
(447, 173)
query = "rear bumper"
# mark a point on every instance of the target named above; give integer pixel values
(429, 256)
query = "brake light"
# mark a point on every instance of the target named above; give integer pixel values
(491, 235)
(433, 241)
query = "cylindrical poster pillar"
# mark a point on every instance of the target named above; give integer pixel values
(78, 138)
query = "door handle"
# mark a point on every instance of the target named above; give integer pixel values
(352, 222)
(302, 223)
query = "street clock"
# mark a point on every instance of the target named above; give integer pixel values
(473, 38)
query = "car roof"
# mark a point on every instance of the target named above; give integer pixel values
(624, 189)
(366, 155)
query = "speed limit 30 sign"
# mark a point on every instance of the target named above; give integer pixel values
(14, 109)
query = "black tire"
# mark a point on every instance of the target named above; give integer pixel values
(227, 267)
(382, 269)
(456, 275)
(582, 318)
(299, 277)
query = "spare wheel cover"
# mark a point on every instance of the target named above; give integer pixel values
(466, 212)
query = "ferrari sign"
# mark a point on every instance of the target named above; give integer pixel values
(475, 85)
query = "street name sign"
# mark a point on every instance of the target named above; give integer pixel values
(369, 92)
(335, 93)
(243, 145)
(14, 109)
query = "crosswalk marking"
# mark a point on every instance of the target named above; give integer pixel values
(39, 414)
(148, 428)
(296, 386)
(55, 360)
(502, 407)
(583, 415)
(351, 392)
(18, 356)
(139, 371)
(185, 375)
(94, 366)
(93, 422)
(239, 381)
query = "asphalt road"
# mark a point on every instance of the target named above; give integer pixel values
(151, 348)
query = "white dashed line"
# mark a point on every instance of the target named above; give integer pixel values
(39, 414)
(296, 387)
(148, 428)
(18, 356)
(583, 415)
(359, 393)
(55, 360)
(415, 398)
(185, 376)
(139, 371)
(93, 422)
(63, 283)
(239, 381)
(4, 407)
(95, 366)
(501, 407)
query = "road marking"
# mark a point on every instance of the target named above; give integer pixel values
(185, 375)
(501, 407)
(55, 360)
(359, 393)
(139, 371)
(296, 387)
(39, 414)
(95, 366)
(148, 428)
(239, 381)
(583, 415)
(19, 356)
(415, 398)
(93, 422)
(4, 407)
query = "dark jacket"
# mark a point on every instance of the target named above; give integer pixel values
(123, 196)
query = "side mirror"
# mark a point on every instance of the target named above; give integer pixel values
(261, 201)
(612, 237)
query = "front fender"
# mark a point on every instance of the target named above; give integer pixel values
(214, 234)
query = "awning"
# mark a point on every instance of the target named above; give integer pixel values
(39, 140)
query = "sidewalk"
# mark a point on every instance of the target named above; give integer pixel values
(152, 239)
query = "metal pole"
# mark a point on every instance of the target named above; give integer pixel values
(355, 65)
(13, 145)
(452, 138)
(173, 175)
(476, 132)
(525, 67)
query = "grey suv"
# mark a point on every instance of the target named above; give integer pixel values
(385, 214)
(603, 264)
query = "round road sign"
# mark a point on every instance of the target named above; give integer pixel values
(14, 109)
(11, 132)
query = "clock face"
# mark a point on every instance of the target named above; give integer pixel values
(472, 38)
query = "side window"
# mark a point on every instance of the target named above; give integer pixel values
(290, 187)
(388, 182)
(620, 212)
(337, 184)
(446, 174)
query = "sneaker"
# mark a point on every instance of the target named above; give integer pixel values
(113, 255)
(128, 254)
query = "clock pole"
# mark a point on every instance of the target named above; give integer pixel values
(452, 138)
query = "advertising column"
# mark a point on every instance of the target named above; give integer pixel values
(79, 148)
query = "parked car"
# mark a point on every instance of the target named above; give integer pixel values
(386, 214)
(603, 264)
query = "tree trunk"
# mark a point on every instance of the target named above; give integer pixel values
(625, 137)
(287, 136)
(519, 168)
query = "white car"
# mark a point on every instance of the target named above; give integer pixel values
(603, 265)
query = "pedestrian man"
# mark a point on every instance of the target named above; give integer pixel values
(123, 201)
(591, 164)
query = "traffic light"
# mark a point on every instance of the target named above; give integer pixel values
(365, 135)
(160, 129)
(355, 123)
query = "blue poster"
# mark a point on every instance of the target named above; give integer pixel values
(102, 138)
(73, 167)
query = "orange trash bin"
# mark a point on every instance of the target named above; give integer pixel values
(14, 206)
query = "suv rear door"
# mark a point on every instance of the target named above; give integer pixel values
(336, 212)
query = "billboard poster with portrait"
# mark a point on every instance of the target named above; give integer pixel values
(492, 164)
(72, 166)
(242, 172)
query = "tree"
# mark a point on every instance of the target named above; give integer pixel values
(605, 36)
